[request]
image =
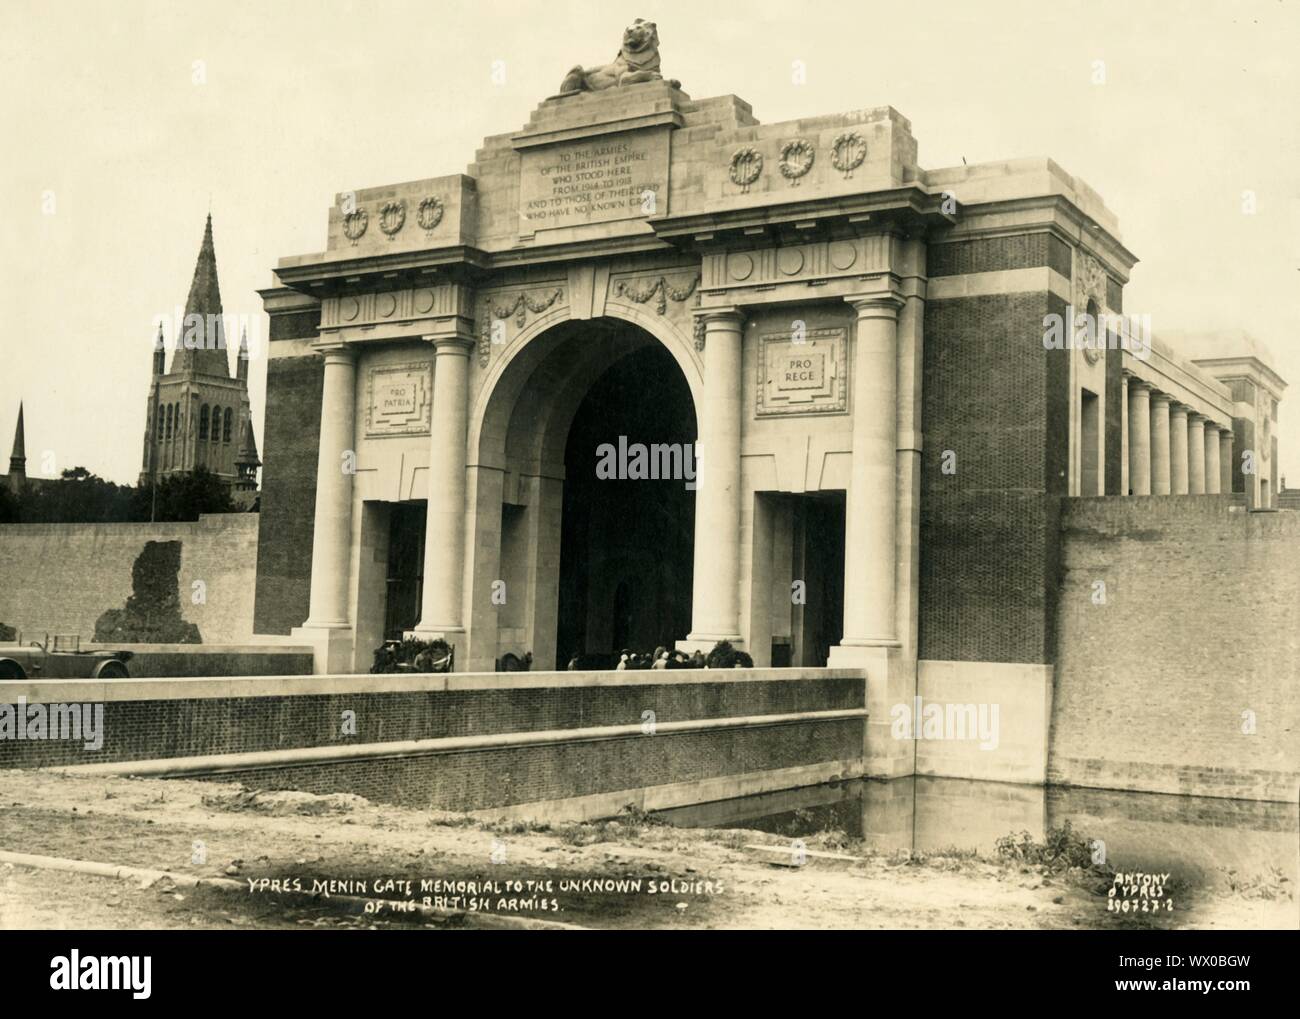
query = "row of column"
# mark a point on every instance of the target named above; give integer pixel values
(1172, 450)
(440, 611)
(870, 545)
(870, 538)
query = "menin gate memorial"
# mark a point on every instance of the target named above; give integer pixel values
(826, 317)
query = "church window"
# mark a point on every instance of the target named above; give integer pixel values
(203, 423)
(225, 428)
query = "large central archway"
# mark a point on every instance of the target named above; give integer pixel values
(566, 559)
(628, 542)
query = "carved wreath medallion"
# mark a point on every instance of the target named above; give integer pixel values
(354, 224)
(391, 217)
(796, 159)
(746, 165)
(429, 214)
(848, 151)
(1090, 285)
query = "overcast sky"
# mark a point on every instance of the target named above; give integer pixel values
(121, 122)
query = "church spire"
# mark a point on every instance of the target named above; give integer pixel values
(241, 365)
(159, 353)
(201, 345)
(18, 458)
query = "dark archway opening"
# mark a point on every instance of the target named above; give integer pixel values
(627, 545)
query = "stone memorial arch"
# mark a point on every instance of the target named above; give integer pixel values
(774, 285)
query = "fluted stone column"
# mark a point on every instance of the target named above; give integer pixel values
(869, 545)
(715, 598)
(1139, 437)
(335, 467)
(1123, 435)
(1159, 444)
(1178, 449)
(1195, 454)
(1225, 459)
(441, 611)
(1211, 459)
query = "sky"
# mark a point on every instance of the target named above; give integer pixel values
(124, 123)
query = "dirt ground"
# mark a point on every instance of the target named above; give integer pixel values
(628, 874)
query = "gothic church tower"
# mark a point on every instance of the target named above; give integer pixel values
(198, 416)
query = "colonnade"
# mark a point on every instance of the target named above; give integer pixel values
(1172, 448)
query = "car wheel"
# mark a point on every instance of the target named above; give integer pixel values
(9, 669)
(112, 670)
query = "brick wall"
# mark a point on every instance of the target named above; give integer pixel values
(498, 778)
(998, 400)
(997, 254)
(184, 718)
(1198, 626)
(293, 401)
(60, 578)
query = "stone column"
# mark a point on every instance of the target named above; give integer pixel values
(1178, 449)
(1139, 436)
(441, 612)
(1159, 444)
(1225, 461)
(1123, 434)
(1211, 458)
(869, 541)
(1195, 454)
(335, 467)
(715, 598)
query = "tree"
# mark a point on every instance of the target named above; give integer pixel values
(76, 497)
(183, 497)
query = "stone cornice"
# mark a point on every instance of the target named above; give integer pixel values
(1194, 389)
(1249, 368)
(909, 207)
(320, 276)
(1055, 213)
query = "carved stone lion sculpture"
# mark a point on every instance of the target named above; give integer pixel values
(637, 61)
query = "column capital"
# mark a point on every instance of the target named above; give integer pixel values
(727, 316)
(1177, 409)
(336, 351)
(1158, 397)
(885, 304)
(453, 342)
(1137, 385)
(1195, 418)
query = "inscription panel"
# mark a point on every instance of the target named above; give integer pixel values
(802, 377)
(398, 399)
(594, 180)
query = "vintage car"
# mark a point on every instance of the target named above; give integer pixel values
(61, 658)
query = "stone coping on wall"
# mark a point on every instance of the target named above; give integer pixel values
(203, 649)
(66, 691)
